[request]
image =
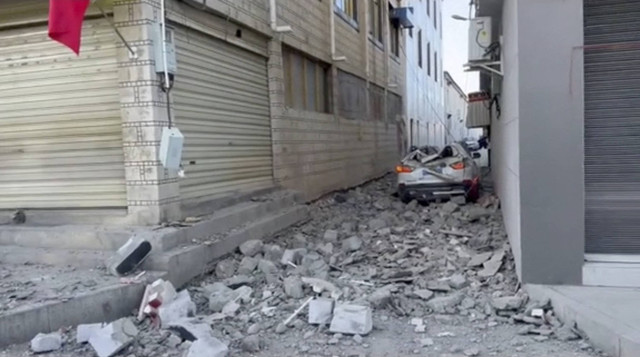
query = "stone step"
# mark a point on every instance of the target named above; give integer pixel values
(66, 236)
(186, 262)
(81, 258)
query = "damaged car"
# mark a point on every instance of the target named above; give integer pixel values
(451, 172)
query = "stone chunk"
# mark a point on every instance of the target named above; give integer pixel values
(251, 248)
(225, 269)
(293, 255)
(458, 281)
(479, 259)
(293, 287)
(449, 208)
(352, 244)
(508, 303)
(381, 296)
(492, 266)
(273, 252)
(351, 319)
(331, 236)
(439, 285)
(377, 223)
(424, 294)
(251, 344)
(46, 342)
(129, 256)
(179, 308)
(208, 347)
(247, 265)
(191, 330)
(85, 331)
(113, 338)
(320, 311)
(267, 267)
(442, 303)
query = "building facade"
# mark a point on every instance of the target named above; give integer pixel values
(425, 118)
(565, 144)
(455, 104)
(315, 108)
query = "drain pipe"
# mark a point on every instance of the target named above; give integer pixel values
(273, 19)
(332, 30)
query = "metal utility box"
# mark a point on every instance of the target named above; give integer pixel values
(479, 38)
(172, 66)
(171, 148)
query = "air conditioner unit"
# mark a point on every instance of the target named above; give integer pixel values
(478, 112)
(479, 38)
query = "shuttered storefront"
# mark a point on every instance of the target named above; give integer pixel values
(612, 126)
(222, 108)
(60, 124)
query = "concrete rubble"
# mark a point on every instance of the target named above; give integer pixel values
(46, 342)
(364, 266)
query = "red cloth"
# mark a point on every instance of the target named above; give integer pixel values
(65, 21)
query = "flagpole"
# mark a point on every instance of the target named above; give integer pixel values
(133, 53)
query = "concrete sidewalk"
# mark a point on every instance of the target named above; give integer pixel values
(609, 316)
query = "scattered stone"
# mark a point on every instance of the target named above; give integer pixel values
(179, 308)
(254, 329)
(420, 329)
(468, 303)
(230, 308)
(477, 213)
(508, 302)
(351, 319)
(459, 200)
(423, 294)
(352, 244)
(281, 328)
(458, 281)
(541, 338)
(320, 311)
(225, 269)
(358, 339)
(251, 248)
(320, 285)
(381, 296)
(273, 252)
(479, 259)
(426, 342)
(238, 281)
(85, 331)
(293, 255)
(537, 313)
(293, 287)
(449, 208)
(331, 236)
(191, 329)
(472, 352)
(207, 347)
(493, 265)
(267, 267)
(251, 344)
(439, 285)
(376, 224)
(219, 296)
(46, 342)
(584, 345)
(326, 249)
(442, 303)
(247, 265)
(173, 341)
(113, 338)
(566, 333)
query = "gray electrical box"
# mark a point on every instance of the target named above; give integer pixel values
(172, 66)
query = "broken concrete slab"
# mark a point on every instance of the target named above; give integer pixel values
(46, 342)
(113, 338)
(247, 265)
(267, 267)
(381, 296)
(190, 329)
(331, 236)
(424, 294)
(479, 259)
(493, 265)
(448, 208)
(442, 303)
(508, 302)
(128, 257)
(351, 319)
(179, 308)
(320, 311)
(225, 268)
(85, 331)
(208, 347)
(377, 223)
(293, 256)
(439, 285)
(458, 281)
(352, 244)
(251, 247)
(272, 252)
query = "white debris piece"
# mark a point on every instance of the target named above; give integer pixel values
(46, 342)
(208, 347)
(180, 307)
(351, 319)
(320, 311)
(85, 331)
(114, 337)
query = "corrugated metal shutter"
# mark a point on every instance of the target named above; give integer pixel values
(612, 126)
(221, 100)
(60, 124)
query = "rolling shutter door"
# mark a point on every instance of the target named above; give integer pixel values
(60, 124)
(222, 107)
(612, 126)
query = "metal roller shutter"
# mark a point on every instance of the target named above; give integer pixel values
(222, 108)
(60, 124)
(612, 126)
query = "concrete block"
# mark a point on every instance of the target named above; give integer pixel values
(293, 255)
(85, 331)
(293, 287)
(351, 320)
(208, 347)
(46, 342)
(331, 236)
(352, 244)
(251, 247)
(113, 338)
(320, 311)
(247, 265)
(181, 307)
(190, 330)
(129, 256)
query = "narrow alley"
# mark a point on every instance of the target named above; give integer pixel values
(439, 281)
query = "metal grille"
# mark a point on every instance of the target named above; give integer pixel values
(222, 108)
(60, 124)
(612, 125)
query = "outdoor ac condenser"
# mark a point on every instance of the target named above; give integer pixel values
(479, 38)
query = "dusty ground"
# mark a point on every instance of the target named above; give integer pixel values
(401, 249)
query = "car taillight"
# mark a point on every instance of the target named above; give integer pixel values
(457, 165)
(402, 169)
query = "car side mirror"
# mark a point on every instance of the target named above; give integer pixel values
(476, 155)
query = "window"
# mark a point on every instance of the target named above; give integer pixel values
(435, 14)
(305, 81)
(394, 33)
(348, 7)
(435, 66)
(420, 48)
(428, 7)
(375, 12)
(429, 59)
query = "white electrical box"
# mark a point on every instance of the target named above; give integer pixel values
(172, 66)
(479, 38)
(171, 148)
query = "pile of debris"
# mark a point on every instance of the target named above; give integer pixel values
(364, 253)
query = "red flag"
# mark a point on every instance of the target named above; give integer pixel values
(65, 22)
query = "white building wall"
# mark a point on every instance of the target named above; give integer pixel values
(424, 100)
(455, 104)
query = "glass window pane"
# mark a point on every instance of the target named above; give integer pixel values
(310, 85)
(297, 87)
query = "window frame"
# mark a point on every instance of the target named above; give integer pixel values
(420, 48)
(347, 10)
(321, 102)
(376, 24)
(429, 59)
(394, 37)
